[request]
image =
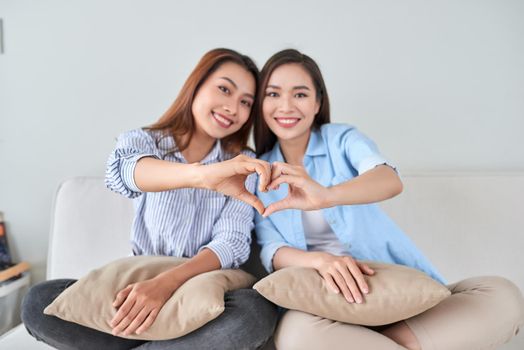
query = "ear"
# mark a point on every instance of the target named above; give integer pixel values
(317, 107)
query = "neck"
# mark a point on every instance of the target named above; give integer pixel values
(199, 146)
(293, 150)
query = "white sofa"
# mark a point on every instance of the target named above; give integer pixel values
(467, 224)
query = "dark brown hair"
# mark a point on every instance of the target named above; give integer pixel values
(178, 120)
(265, 139)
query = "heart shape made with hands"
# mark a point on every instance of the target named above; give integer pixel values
(304, 193)
(229, 177)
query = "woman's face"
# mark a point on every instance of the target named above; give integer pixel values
(223, 102)
(290, 104)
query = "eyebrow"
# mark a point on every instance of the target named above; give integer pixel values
(298, 87)
(236, 87)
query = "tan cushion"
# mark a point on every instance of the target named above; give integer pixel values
(396, 293)
(88, 301)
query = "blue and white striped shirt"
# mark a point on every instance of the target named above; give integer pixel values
(184, 221)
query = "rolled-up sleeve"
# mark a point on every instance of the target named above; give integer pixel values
(231, 235)
(362, 152)
(269, 239)
(131, 147)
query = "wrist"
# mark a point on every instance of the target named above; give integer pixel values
(197, 175)
(318, 259)
(329, 197)
(169, 279)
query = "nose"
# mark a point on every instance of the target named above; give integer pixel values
(286, 105)
(230, 110)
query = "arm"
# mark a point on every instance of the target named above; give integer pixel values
(139, 303)
(135, 166)
(375, 185)
(351, 151)
(341, 273)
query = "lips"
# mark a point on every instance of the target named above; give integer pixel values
(222, 120)
(287, 122)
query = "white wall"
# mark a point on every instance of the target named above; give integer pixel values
(438, 84)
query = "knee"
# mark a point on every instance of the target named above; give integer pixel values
(36, 300)
(507, 296)
(31, 305)
(511, 298)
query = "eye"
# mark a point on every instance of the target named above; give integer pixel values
(300, 95)
(246, 103)
(271, 94)
(224, 89)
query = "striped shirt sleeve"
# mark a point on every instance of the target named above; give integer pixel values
(131, 146)
(231, 234)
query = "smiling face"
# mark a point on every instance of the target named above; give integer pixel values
(290, 103)
(224, 100)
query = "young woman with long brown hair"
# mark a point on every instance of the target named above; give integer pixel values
(192, 179)
(334, 174)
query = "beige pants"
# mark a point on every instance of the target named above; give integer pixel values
(480, 314)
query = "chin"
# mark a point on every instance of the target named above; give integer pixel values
(220, 134)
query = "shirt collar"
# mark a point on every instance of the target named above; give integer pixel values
(315, 147)
(216, 154)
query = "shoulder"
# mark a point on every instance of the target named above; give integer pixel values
(335, 134)
(141, 133)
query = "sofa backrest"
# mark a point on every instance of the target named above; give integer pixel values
(90, 227)
(467, 225)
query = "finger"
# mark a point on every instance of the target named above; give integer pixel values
(148, 322)
(366, 269)
(246, 168)
(137, 322)
(331, 283)
(252, 200)
(127, 320)
(122, 295)
(123, 311)
(267, 175)
(361, 285)
(264, 176)
(294, 180)
(277, 206)
(343, 286)
(285, 169)
(276, 170)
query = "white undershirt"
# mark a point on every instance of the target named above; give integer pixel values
(319, 235)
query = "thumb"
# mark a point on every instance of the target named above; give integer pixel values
(276, 206)
(252, 200)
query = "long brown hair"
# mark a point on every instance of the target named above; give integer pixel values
(265, 139)
(178, 120)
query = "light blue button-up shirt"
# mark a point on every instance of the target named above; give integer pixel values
(337, 153)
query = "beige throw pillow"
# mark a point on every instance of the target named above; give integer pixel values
(396, 293)
(88, 301)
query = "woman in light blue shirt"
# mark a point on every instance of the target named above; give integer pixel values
(192, 180)
(320, 213)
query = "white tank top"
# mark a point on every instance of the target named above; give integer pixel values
(319, 235)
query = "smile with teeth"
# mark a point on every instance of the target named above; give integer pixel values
(222, 121)
(287, 121)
